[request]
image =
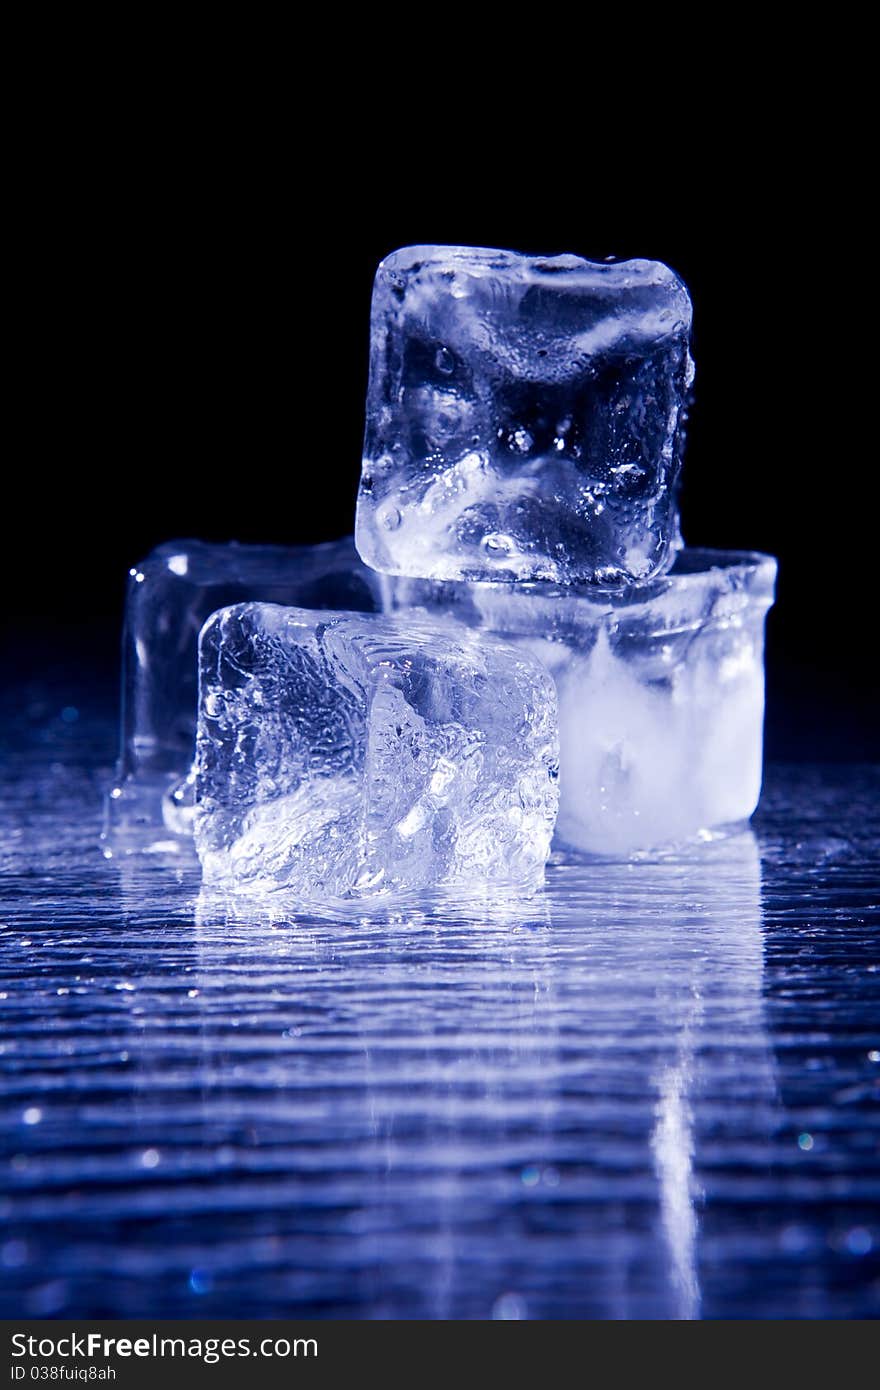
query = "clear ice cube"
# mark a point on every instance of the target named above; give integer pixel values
(660, 688)
(345, 755)
(524, 417)
(170, 595)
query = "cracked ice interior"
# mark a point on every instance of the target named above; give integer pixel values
(342, 755)
(524, 417)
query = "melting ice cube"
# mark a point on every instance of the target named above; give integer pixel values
(524, 417)
(661, 692)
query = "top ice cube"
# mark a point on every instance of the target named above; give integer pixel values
(524, 417)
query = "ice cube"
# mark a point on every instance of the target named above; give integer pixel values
(524, 417)
(344, 755)
(661, 692)
(170, 594)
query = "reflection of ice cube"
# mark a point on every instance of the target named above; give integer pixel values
(170, 594)
(661, 692)
(344, 755)
(524, 417)
(569, 1116)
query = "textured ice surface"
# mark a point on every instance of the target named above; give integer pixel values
(343, 755)
(661, 692)
(170, 594)
(524, 417)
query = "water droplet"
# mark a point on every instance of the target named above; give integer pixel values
(200, 1281)
(794, 1239)
(444, 361)
(520, 441)
(510, 1307)
(859, 1241)
(496, 543)
(391, 518)
(47, 1300)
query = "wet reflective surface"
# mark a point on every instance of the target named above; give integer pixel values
(652, 1093)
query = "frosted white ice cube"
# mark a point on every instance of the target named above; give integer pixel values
(661, 692)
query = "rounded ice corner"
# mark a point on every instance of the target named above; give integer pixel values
(217, 630)
(405, 259)
(749, 571)
(172, 559)
(394, 269)
(177, 545)
(366, 543)
(670, 280)
(258, 616)
(213, 628)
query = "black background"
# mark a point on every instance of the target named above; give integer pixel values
(192, 362)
